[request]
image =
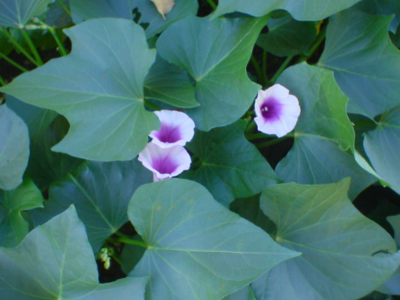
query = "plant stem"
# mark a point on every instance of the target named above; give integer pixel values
(257, 68)
(320, 38)
(152, 105)
(281, 68)
(127, 240)
(53, 32)
(32, 47)
(212, 4)
(274, 141)
(20, 48)
(13, 62)
(250, 128)
(264, 66)
(2, 82)
(67, 10)
(117, 259)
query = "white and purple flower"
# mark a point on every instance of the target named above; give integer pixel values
(276, 111)
(165, 162)
(176, 129)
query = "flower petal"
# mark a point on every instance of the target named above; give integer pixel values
(165, 162)
(276, 111)
(176, 129)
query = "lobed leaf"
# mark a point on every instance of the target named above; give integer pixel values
(16, 13)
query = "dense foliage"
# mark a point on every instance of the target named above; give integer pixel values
(259, 211)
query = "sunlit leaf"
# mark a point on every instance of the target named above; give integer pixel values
(344, 254)
(98, 88)
(13, 228)
(16, 13)
(14, 148)
(231, 167)
(197, 249)
(364, 60)
(223, 88)
(61, 265)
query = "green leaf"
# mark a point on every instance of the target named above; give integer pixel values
(55, 261)
(36, 118)
(197, 249)
(13, 228)
(215, 53)
(5, 44)
(146, 12)
(16, 13)
(98, 88)
(344, 254)
(131, 255)
(14, 148)
(57, 16)
(287, 37)
(302, 10)
(46, 166)
(323, 132)
(381, 146)
(231, 167)
(245, 293)
(100, 193)
(168, 83)
(365, 62)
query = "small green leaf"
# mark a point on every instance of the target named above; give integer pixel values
(16, 13)
(98, 88)
(324, 137)
(215, 53)
(302, 10)
(13, 228)
(197, 249)
(100, 193)
(231, 167)
(364, 60)
(344, 254)
(14, 148)
(55, 261)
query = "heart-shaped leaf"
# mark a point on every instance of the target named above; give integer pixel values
(100, 193)
(302, 10)
(223, 88)
(323, 132)
(98, 88)
(14, 228)
(61, 265)
(231, 167)
(14, 148)
(197, 249)
(344, 254)
(365, 62)
(16, 13)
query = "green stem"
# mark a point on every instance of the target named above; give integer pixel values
(318, 41)
(67, 10)
(250, 128)
(127, 240)
(61, 48)
(281, 68)
(117, 259)
(32, 47)
(20, 48)
(212, 4)
(2, 82)
(13, 62)
(152, 105)
(257, 68)
(264, 66)
(274, 141)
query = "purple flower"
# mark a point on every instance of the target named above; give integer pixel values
(165, 162)
(176, 129)
(276, 111)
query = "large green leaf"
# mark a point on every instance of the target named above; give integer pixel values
(231, 167)
(100, 193)
(36, 118)
(55, 261)
(14, 148)
(365, 62)
(381, 146)
(324, 137)
(245, 293)
(302, 10)
(99, 88)
(197, 249)
(344, 254)
(16, 13)
(149, 17)
(168, 83)
(46, 166)
(215, 53)
(287, 36)
(13, 228)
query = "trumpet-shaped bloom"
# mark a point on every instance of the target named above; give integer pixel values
(176, 129)
(276, 111)
(165, 162)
